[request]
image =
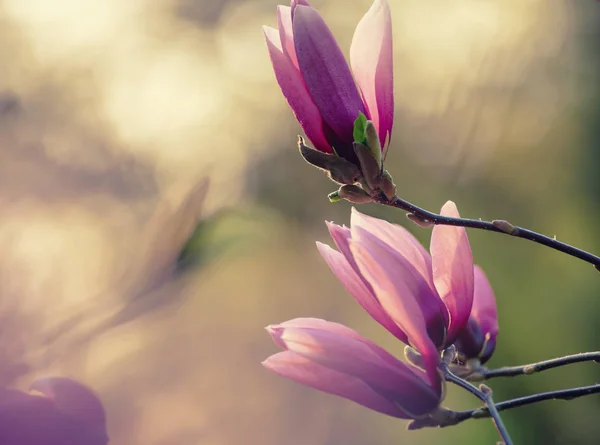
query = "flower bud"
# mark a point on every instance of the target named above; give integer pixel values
(355, 194)
(339, 169)
(369, 165)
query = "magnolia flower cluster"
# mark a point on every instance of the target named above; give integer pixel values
(428, 300)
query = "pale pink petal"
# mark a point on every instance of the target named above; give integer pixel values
(340, 348)
(293, 88)
(358, 289)
(430, 304)
(325, 72)
(399, 293)
(399, 239)
(371, 57)
(306, 372)
(453, 270)
(286, 33)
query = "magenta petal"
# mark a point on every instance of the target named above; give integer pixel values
(484, 304)
(478, 338)
(453, 270)
(371, 57)
(306, 372)
(325, 72)
(399, 294)
(338, 347)
(358, 289)
(73, 399)
(293, 88)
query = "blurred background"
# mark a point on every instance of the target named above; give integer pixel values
(114, 115)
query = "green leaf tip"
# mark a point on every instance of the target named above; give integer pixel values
(360, 128)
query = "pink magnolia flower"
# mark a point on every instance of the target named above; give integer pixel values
(424, 300)
(335, 359)
(478, 338)
(316, 80)
(59, 411)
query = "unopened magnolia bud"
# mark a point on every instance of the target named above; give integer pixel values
(387, 186)
(421, 222)
(371, 170)
(505, 226)
(340, 170)
(355, 194)
(373, 143)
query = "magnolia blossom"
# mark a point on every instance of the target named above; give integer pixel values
(423, 299)
(57, 411)
(317, 82)
(336, 359)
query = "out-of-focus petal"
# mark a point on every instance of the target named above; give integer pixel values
(286, 33)
(306, 372)
(73, 399)
(399, 293)
(325, 72)
(293, 88)
(371, 57)
(338, 347)
(452, 262)
(399, 239)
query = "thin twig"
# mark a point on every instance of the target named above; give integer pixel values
(511, 371)
(562, 394)
(486, 397)
(498, 226)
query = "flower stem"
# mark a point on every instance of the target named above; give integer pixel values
(511, 371)
(485, 396)
(498, 226)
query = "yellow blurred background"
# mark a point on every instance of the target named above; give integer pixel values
(113, 114)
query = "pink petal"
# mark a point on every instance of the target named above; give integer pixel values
(371, 57)
(358, 288)
(293, 88)
(306, 372)
(453, 270)
(430, 304)
(484, 304)
(399, 239)
(325, 72)
(399, 293)
(72, 399)
(339, 348)
(286, 34)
